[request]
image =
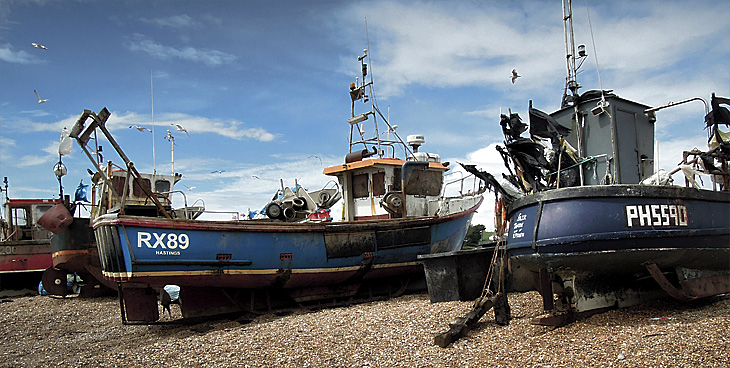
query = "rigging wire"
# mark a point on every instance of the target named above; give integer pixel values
(595, 55)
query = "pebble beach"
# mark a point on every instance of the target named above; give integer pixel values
(75, 332)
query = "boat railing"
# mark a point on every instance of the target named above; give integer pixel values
(216, 215)
(467, 184)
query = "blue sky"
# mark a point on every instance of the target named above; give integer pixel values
(262, 86)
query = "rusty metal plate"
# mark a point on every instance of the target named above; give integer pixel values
(403, 237)
(350, 244)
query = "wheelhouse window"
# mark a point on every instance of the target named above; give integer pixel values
(424, 182)
(378, 184)
(397, 183)
(118, 184)
(162, 186)
(20, 216)
(141, 186)
(360, 186)
(39, 211)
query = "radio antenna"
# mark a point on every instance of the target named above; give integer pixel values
(152, 98)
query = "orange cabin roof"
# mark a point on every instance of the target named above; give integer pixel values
(334, 170)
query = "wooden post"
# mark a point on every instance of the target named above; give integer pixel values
(461, 325)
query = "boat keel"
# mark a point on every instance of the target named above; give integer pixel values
(694, 284)
(138, 302)
(569, 296)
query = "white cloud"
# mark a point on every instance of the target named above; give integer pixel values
(182, 21)
(30, 126)
(430, 44)
(174, 21)
(9, 55)
(34, 160)
(7, 146)
(238, 190)
(194, 124)
(208, 57)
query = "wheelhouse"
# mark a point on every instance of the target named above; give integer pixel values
(22, 219)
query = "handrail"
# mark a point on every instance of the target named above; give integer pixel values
(461, 182)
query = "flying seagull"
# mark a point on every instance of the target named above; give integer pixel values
(317, 157)
(189, 188)
(514, 75)
(141, 129)
(181, 129)
(39, 46)
(255, 176)
(391, 129)
(40, 100)
(218, 171)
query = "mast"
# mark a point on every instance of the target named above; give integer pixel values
(152, 98)
(571, 83)
(363, 90)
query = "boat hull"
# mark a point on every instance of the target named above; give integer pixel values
(224, 267)
(672, 225)
(603, 237)
(22, 263)
(74, 251)
(24, 256)
(252, 254)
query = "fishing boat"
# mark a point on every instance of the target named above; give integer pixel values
(25, 247)
(73, 245)
(594, 227)
(393, 209)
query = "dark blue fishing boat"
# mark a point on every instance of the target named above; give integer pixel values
(394, 209)
(594, 227)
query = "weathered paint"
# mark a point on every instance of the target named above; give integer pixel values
(158, 251)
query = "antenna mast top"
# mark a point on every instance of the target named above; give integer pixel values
(571, 82)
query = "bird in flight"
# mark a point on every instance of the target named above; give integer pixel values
(40, 100)
(317, 157)
(514, 75)
(189, 188)
(181, 129)
(218, 171)
(255, 176)
(391, 129)
(141, 129)
(39, 46)
(169, 137)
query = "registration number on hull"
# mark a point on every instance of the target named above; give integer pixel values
(155, 240)
(656, 215)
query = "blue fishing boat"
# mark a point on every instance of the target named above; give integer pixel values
(594, 227)
(393, 210)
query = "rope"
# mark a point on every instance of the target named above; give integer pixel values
(499, 209)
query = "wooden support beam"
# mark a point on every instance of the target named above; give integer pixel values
(461, 325)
